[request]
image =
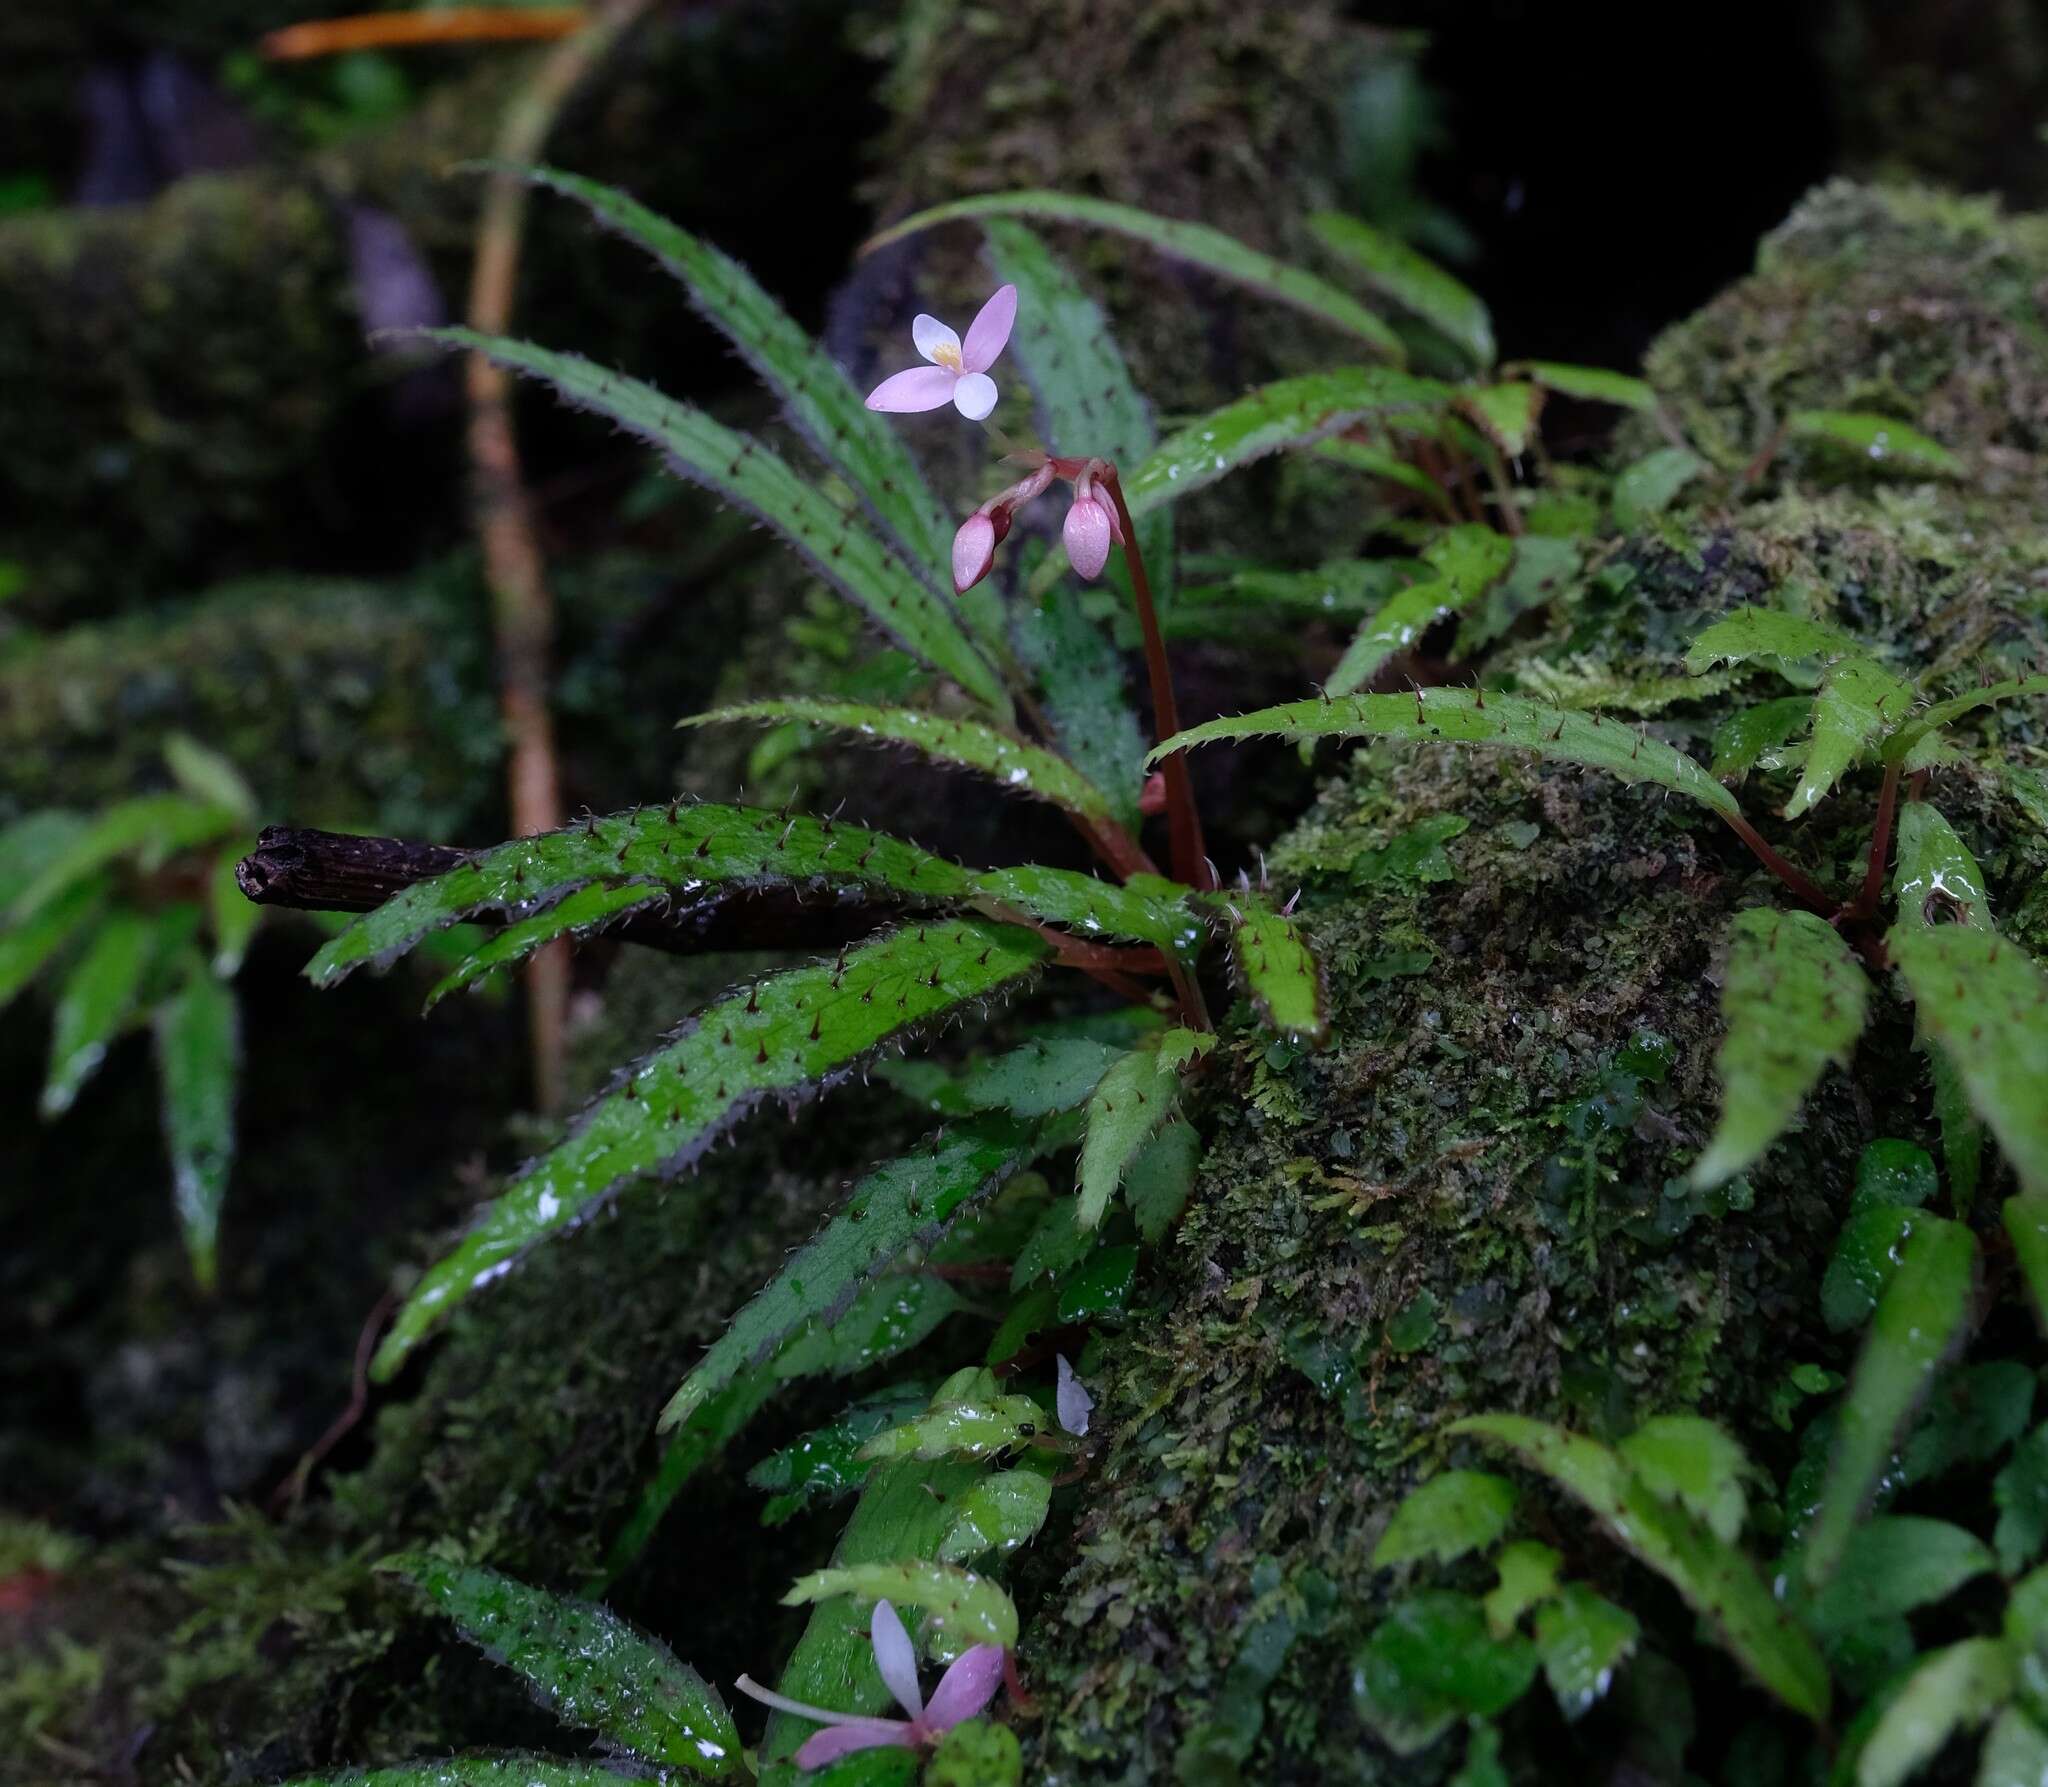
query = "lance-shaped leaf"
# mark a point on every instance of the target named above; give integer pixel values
(1589, 384)
(587, 1664)
(1468, 560)
(785, 1037)
(198, 1050)
(839, 547)
(967, 744)
(1935, 878)
(1129, 1102)
(1505, 414)
(1949, 1691)
(1347, 589)
(1877, 439)
(1097, 908)
(580, 914)
(968, 1417)
(232, 914)
(1858, 701)
(897, 1206)
(1651, 485)
(1276, 967)
(1766, 633)
(473, 1771)
(1195, 243)
(1377, 462)
(1794, 1000)
(1291, 412)
(94, 1004)
(1715, 1579)
(1743, 738)
(1931, 720)
(150, 827)
(1414, 282)
(27, 946)
(1984, 1000)
(1472, 717)
(962, 1609)
(1087, 696)
(1921, 1318)
(822, 402)
(2026, 1224)
(1453, 1513)
(208, 777)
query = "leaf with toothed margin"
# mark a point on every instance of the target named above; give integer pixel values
(896, 1206)
(1794, 1000)
(26, 948)
(1291, 412)
(1715, 1579)
(1418, 285)
(475, 1771)
(579, 914)
(1984, 1000)
(95, 1004)
(1931, 720)
(1150, 909)
(1742, 739)
(786, 1036)
(198, 1048)
(1878, 439)
(961, 1609)
(821, 401)
(150, 827)
(1589, 384)
(844, 552)
(586, 1664)
(1858, 701)
(1131, 1100)
(1195, 243)
(968, 744)
(1505, 414)
(1275, 966)
(1766, 633)
(1471, 717)
(1468, 560)
(1935, 878)
(1087, 696)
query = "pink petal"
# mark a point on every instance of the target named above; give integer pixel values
(989, 331)
(836, 1741)
(1086, 534)
(935, 341)
(921, 388)
(974, 395)
(974, 552)
(965, 1688)
(896, 1658)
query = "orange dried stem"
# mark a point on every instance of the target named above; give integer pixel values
(410, 30)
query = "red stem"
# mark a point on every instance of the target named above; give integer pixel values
(1808, 891)
(1880, 843)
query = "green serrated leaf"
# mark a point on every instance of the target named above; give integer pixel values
(1468, 560)
(826, 1462)
(968, 1417)
(1931, 720)
(28, 946)
(1291, 412)
(1858, 701)
(1794, 1001)
(1418, 285)
(1949, 1691)
(1716, 1580)
(1984, 1001)
(905, 1203)
(962, 1609)
(1527, 1572)
(1432, 1661)
(198, 1054)
(1505, 414)
(839, 547)
(1195, 243)
(1691, 1461)
(968, 744)
(1878, 439)
(1582, 1638)
(1921, 1316)
(472, 1771)
(1743, 738)
(1453, 1513)
(1750, 633)
(1130, 1102)
(94, 1004)
(1651, 485)
(1276, 967)
(1894, 1563)
(151, 827)
(1589, 384)
(1935, 877)
(587, 1664)
(1087, 696)
(826, 407)
(1148, 910)
(2026, 1223)
(1001, 1512)
(208, 777)
(580, 914)
(1469, 716)
(1160, 1178)
(1053, 1074)
(787, 1036)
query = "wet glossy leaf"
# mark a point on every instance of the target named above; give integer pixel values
(1582, 1638)
(968, 1417)
(1893, 1174)
(150, 827)
(1933, 719)
(785, 1037)
(826, 1462)
(1291, 412)
(1589, 384)
(1431, 1662)
(589, 1665)
(1100, 1286)
(1950, 1691)
(95, 1003)
(473, 1771)
(2015, 1752)
(1453, 1513)
(840, 547)
(1651, 485)
(198, 1053)
(907, 1202)
(1468, 716)
(1894, 1563)
(1506, 414)
(2021, 1492)
(1794, 1001)
(968, 744)
(1276, 968)
(1921, 1316)
(1717, 1581)
(1867, 1254)
(2026, 1224)
(1130, 1102)
(1857, 703)
(1527, 1573)
(1878, 439)
(1935, 878)
(1160, 1178)
(1746, 735)
(581, 914)
(1418, 285)
(1984, 1000)
(1195, 243)
(26, 947)
(999, 1513)
(1691, 1461)
(1751, 633)
(1149, 910)
(1057, 1243)
(962, 1609)
(826, 408)
(1467, 561)
(1051, 1074)
(208, 777)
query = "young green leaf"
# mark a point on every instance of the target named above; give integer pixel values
(1132, 1100)
(1921, 1316)
(825, 1463)
(151, 827)
(474, 1771)
(1589, 384)
(1087, 696)
(1276, 967)
(1950, 1690)
(26, 947)
(1418, 285)
(1582, 1638)
(1878, 439)
(1054, 1073)
(1195, 243)
(1148, 909)
(1691, 1461)
(198, 1049)
(1000, 1513)
(1931, 720)
(1984, 1000)
(587, 1664)
(1935, 878)
(787, 1036)
(208, 777)
(1651, 485)
(968, 1417)
(1742, 739)
(94, 1004)
(1160, 1179)
(232, 914)
(968, 744)
(1505, 414)
(1794, 1000)
(2026, 1224)
(899, 1205)
(1468, 560)
(1527, 1576)
(821, 400)
(839, 547)
(1453, 1513)
(1714, 1578)
(1892, 1564)
(1431, 1662)
(1766, 633)
(579, 914)
(1858, 702)
(1470, 716)
(1291, 412)
(961, 1608)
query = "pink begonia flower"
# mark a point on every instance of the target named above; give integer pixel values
(1091, 525)
(958, 373)
(968, 1686)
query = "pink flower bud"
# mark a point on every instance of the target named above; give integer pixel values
(1152, 797)
(1087, 533)
(974, 552)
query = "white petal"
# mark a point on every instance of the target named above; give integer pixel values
(1072, 1403)
(896, 1658)
(935, 341)
(974, 395)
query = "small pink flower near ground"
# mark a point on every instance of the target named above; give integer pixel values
(968, 1686)
(958, 373)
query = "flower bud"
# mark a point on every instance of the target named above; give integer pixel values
(974, 552)
(1087, 535)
